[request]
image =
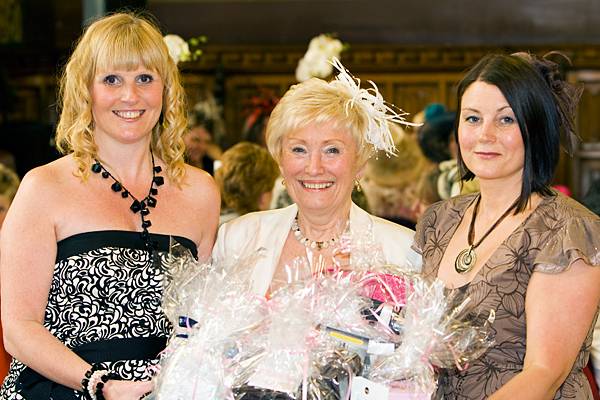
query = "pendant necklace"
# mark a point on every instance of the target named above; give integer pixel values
(313, 244)
(467, 258)
(141, 206)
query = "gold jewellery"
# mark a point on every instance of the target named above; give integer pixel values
(466, 259)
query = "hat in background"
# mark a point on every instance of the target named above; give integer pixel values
(436, 133)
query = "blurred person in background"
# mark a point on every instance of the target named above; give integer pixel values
(391, 184)
(8, 159)
(9, 183)
(436, 140)
(200, 151)
(245, 178)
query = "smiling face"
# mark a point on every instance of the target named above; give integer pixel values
(319, 164)
(489, 136)
(126, 105)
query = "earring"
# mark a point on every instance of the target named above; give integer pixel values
(357, 185)
(283, 182)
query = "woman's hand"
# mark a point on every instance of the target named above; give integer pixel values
(126, 390)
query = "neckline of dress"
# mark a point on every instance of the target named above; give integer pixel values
(460, 214)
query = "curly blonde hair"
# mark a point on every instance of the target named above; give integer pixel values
(318, 101)
(120, 41)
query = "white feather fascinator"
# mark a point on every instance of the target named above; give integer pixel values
(379, 112)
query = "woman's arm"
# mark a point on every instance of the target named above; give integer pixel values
(28, 248)
(560, 309)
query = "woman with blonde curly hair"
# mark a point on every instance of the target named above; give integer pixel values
(89, 232)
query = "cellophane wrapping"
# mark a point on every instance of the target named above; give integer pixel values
(326, 325)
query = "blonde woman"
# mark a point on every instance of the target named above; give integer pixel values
(84, 242)
(321, 134)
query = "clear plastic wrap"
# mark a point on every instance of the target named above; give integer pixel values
(218, 320)
(438, 330)
(321, 328)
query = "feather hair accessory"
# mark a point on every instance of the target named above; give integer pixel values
(379, 112)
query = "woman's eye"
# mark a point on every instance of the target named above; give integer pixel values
(507, 120)
(332, 150)
(145, 78)
(298, 149)
(472, 119)
(111, 80)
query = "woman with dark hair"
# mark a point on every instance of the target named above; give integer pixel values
(527, 255)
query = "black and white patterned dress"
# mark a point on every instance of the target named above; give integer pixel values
(105, 303)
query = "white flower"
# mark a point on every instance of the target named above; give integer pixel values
(317, 60)
(179, 50)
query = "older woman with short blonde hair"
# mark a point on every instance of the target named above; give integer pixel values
(321, 134)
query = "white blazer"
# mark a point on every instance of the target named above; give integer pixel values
(269, 230)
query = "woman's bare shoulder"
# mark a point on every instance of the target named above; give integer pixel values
(49, 178)
(199, 183)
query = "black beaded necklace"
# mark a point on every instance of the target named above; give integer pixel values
(141, 206)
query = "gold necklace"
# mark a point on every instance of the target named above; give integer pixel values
(466, 259)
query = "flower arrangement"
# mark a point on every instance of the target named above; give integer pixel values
(179, 49)
(317, 60)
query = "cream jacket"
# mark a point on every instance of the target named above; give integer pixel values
(269, 230)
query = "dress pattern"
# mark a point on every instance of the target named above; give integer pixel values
(105, 286)
(558, 232)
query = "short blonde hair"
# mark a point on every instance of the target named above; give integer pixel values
(247, 171)
(121, 41)
(9, 182)
(316, 101)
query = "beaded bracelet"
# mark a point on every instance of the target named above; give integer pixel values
(92, 384)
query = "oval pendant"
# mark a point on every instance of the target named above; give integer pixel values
(465, 261)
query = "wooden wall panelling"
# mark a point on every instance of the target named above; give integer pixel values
(196, 85)
(409, 91)
(585, 165)
(35, 99)
(588, 121)
(239, 90)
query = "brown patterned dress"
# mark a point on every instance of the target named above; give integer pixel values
(558, 232)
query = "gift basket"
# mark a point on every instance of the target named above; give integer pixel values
(363, 330)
